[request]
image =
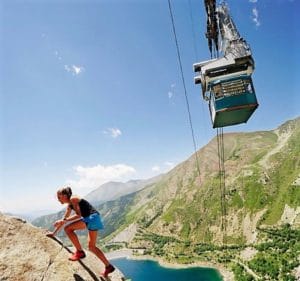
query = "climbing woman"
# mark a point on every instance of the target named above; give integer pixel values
(86, 216)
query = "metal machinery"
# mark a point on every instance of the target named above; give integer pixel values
(226, 81)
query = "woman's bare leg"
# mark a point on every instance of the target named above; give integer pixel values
(70, 228)
(93, 248)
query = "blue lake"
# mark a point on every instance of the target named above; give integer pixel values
(146, 270)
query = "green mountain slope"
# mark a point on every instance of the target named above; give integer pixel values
(179, 218)
(262, 169)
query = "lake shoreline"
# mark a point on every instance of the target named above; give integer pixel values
(227, 275)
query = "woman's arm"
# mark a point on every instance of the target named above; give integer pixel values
(67, 213)
(60, 222)
(75, 205)
(66, 217)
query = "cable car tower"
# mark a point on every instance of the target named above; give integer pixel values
(226, 81)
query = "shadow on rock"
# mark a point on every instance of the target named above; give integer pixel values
(77, 277)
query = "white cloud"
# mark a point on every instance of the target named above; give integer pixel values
(77, 69)
(155, 169)
(169, 164)
(56, 53)
(253, 1)
(92, 177)
(171, 92)
(67, 68)
(113, 132)
(255, 17)
(74, 69)
(165, 167)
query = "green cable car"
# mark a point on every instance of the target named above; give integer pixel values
(231, 101)
(226, 80)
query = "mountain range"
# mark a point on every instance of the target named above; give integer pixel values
(173, 215)
(113, 190)
(262, 188)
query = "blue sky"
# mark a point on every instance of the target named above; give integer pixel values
(91, 90)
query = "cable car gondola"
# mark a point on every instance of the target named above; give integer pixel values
(226, 81)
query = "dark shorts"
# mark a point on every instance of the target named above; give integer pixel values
(93, 222)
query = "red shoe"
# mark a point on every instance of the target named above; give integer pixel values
(108, 269)
(77, 256)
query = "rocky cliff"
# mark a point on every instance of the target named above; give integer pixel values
(27, 254)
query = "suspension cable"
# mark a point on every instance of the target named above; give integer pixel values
(212, 36)
(222, 178)
(184, 86)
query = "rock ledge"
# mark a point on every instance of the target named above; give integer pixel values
(26, 254)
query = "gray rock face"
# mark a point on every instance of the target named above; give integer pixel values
(26, 254)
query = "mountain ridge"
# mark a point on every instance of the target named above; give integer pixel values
(113, 189)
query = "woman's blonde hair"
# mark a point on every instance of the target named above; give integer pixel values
(65, 191)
